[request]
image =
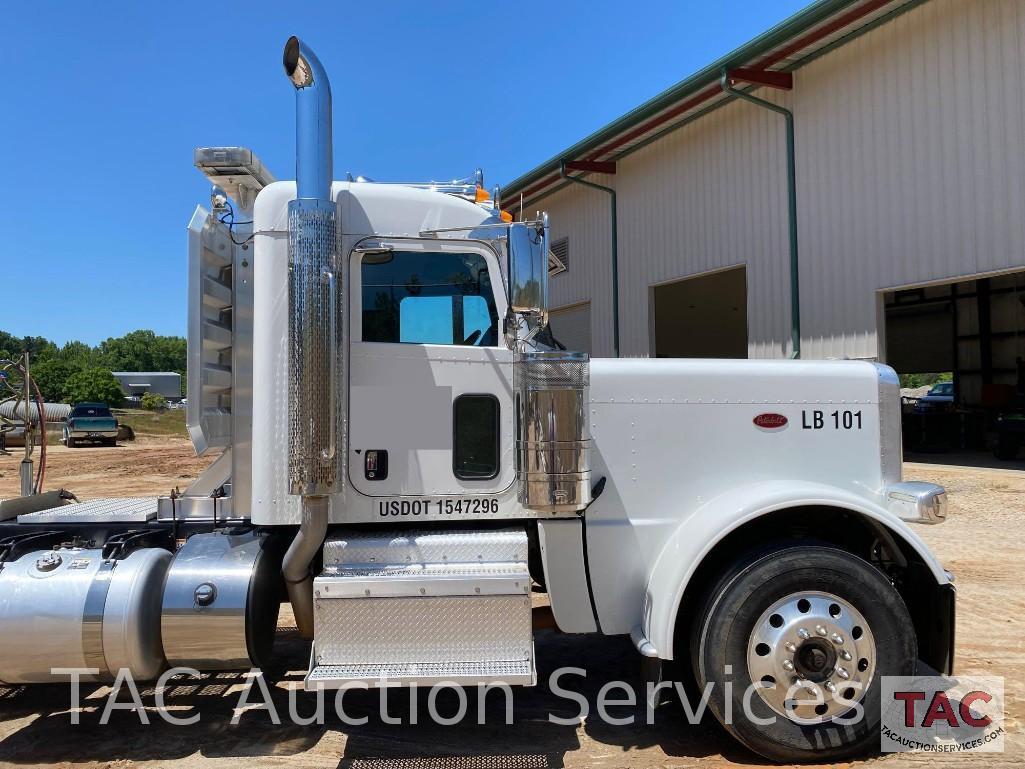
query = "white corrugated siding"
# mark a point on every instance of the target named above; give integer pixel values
(910, 169)
(582, 214)
(572, 326)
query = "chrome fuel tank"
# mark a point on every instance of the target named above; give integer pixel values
(221, 601)
(72, 608)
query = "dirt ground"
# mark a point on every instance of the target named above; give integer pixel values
(147, 466)
(983, 543)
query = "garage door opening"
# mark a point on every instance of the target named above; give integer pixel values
(959, 349)
(701, 317)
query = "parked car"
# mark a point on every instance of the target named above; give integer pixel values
(939, 398)
(90, 422)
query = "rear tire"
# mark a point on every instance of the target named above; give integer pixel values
(69, 442)
(788, 596)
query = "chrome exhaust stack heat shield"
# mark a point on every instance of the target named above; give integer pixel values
(313, 349)
(552, 463)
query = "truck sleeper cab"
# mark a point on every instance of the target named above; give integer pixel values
(405, 452)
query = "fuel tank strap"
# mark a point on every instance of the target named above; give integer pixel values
(92, 619)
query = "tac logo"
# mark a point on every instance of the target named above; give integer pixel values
(771, 422)
(933, 714)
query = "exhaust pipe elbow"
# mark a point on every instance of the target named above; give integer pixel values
(314, 160)
(295, 567)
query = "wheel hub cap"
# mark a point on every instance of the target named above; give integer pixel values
(812, 656)
(815, 659)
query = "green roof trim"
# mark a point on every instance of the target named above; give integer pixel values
(801, 22)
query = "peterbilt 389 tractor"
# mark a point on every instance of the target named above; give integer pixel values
(405, 453)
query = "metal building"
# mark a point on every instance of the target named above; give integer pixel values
(908, 199)
(135, 383)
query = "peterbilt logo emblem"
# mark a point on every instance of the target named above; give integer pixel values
(770, 421)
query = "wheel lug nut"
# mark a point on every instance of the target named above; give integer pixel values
(845, 655)
(830, 687)
(837, 639)
(788, 665)
(809, 687)
(820, 630)
(790, 646)
(843, 673)
(803, 634)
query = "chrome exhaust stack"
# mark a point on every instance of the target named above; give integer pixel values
(313, 326)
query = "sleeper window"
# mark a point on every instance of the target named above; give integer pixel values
(418, 297)
(475, 437)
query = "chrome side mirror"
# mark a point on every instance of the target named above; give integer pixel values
(528, 272)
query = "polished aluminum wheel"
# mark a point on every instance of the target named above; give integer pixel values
(812, 656)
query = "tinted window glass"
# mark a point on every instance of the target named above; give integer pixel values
(475, 452)
(428, 298)
(90, 411)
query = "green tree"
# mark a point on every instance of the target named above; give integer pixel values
(51, 376)
(144, 350)
(39, 347)
(80, 355)
(153, 402)
(95, 385)
(923, 380)
(141, 350)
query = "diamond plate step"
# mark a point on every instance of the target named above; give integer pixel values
(423, 606)
(512, 672)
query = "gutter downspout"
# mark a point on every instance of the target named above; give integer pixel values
(615, 251)
(795, 283)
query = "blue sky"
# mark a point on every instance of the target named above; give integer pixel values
(102, 105)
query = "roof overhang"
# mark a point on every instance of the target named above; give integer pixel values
(766, 60)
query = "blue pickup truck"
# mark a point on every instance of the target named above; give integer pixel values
(90, 422)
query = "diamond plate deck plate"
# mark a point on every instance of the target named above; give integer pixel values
(514, 672)
(425, 570)
(424, 547)
(112, 510)
(417, 580)
(383, 631)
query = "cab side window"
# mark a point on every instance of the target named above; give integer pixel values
(418, 297)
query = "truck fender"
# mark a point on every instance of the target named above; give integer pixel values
(699, 533)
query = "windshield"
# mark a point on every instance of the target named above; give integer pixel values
(944, 388)
(91, 411)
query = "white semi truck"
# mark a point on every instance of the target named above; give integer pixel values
(404, 449)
